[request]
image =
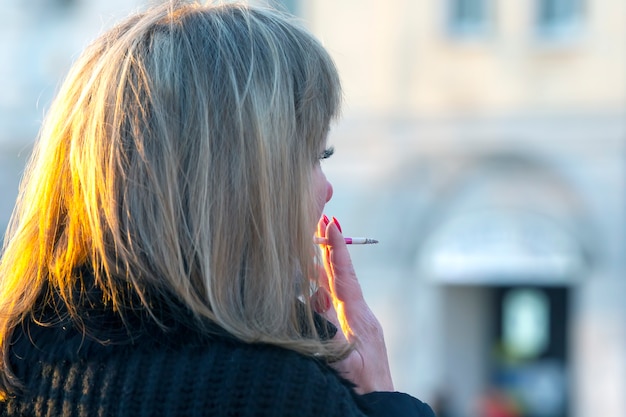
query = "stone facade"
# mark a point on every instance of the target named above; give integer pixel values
(486, 158)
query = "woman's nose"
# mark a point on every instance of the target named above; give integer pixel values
(329, 191)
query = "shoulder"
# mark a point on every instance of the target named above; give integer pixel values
(396, 404)
(192, 376)
(283, 381)
(280, 381)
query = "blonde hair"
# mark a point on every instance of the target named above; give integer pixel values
(176, 162)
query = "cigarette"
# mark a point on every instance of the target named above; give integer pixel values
(348, 240)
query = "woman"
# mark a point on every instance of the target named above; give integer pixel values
(160, 261)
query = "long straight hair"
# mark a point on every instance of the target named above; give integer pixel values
(176, 162)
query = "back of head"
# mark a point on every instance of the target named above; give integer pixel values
(175, 163)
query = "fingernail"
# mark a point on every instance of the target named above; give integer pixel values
(328, 303)
(326, 220)
(337, 224)
(321, 301)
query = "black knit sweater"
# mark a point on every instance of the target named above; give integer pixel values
(180, 373)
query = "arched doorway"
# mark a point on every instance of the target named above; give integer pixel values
(506, 246)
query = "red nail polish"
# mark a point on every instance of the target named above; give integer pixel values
(321, 301)
(327, 301)
(337, 224)
(326, 220)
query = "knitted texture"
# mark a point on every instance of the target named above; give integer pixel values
(222, 379)
(179, 373)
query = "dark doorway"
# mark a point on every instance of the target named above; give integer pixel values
(529, 363)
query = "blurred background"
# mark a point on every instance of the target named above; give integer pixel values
(483, 142)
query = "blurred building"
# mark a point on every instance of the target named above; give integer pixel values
(39, 40)
(483, 143)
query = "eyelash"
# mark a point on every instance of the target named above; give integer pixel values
(327, 153)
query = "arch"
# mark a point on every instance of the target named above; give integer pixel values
(504, 217)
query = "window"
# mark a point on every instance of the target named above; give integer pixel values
(468, 17)
(558, 18)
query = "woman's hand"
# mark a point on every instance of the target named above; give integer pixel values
(367, 366)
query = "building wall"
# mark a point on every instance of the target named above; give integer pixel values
(400, 57)
(39, 40)
(425, 111)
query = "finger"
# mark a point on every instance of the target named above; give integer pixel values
(321, 232)
(344, 284)
(322, 277)
(352, 310)
(321, 300)
(323, 305)
(321, 226)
